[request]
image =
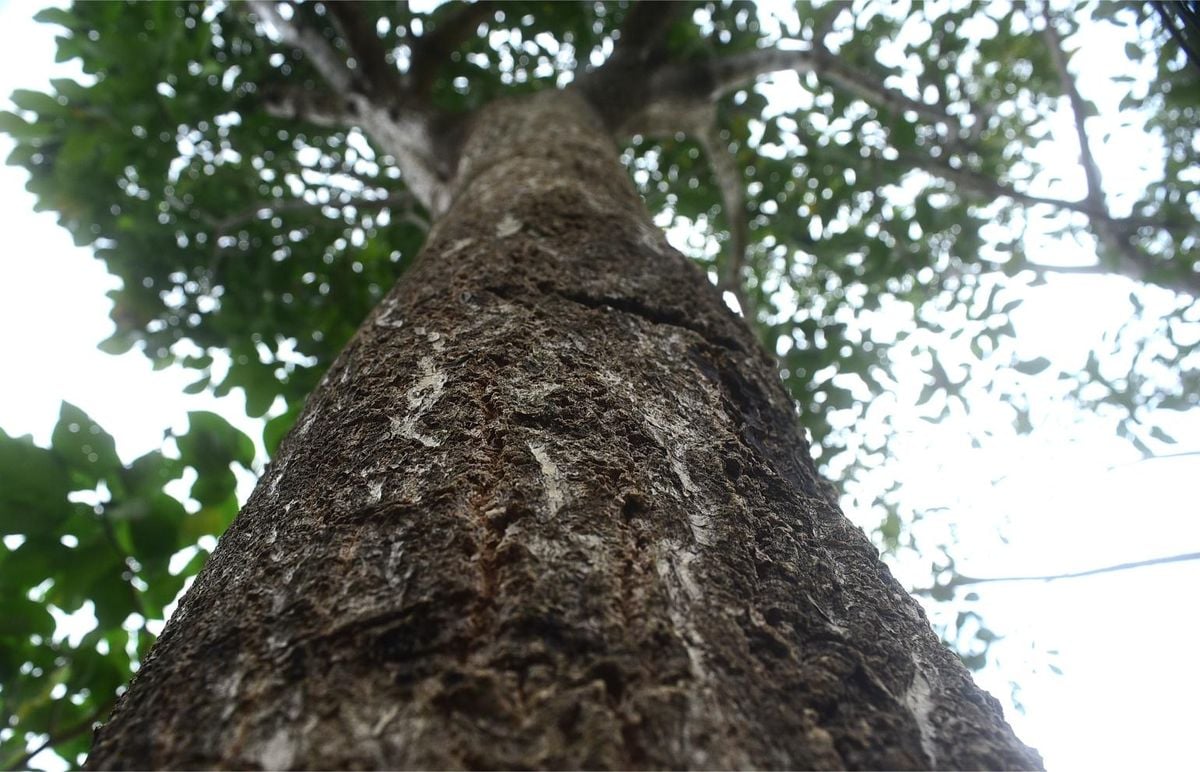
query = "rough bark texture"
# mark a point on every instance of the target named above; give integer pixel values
(551, 508)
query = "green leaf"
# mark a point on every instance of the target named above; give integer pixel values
(87, 450)
(36, 101)
(1157, 433)
(156, 534)
(211, 520)
(18, 127)
(56, 16)
(212, 444)
(1032, 366)
(33, 488)
(21, 617)
(278, 427)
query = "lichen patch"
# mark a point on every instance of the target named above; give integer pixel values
(919, 701)
(550, 477)
(508, 226)
(421, 397)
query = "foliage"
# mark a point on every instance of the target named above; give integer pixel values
(250, 247)
(88, 536)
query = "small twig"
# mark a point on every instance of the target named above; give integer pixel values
(961, 580)
(54, 738)
(1155, 457)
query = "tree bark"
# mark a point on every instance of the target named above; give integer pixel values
(550, 508)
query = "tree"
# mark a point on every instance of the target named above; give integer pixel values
(223, 175)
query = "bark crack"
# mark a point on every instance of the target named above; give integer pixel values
(672, 317)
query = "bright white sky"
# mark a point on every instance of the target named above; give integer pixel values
(1126, 694)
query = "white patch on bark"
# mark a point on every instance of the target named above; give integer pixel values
(671, 434)
(677, 575)
(508, 226)
(308, 422)
(459, 246)
(278, 752)
(375, 491)
(385, 319)
(422, 396)
(554, 491)
(384, 720)
(228, 688)
(919, 701)
(277, 477)
(673, 566)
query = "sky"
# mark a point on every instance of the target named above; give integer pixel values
(1072, 496)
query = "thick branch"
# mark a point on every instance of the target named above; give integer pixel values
(320, 107)
(408, 135)
(316, 48)
(983, 184)
(1129, 261)
(733, 202)
(430, 51)
(733, 72)
(644, 31)
(358, 29)
(1135, 266)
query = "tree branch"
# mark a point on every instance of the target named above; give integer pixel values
(1129, 261)
(643, 31)
(328, 62)
(1156, 457)
(993, 188)
(54, 738)
(733, 72)
(960, 580)
(430, 51)
(733, 202)
(320, 107)
(358, 30)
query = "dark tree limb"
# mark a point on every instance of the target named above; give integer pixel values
(431, 50)
(357, 27)
(993, 188)
(733, 202)
(1130, 261)
(318, 106)
(409, 135)
(988, 187)
(734, 72)
(644, 30)
(61, 736)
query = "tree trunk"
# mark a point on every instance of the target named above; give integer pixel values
(550, 508)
